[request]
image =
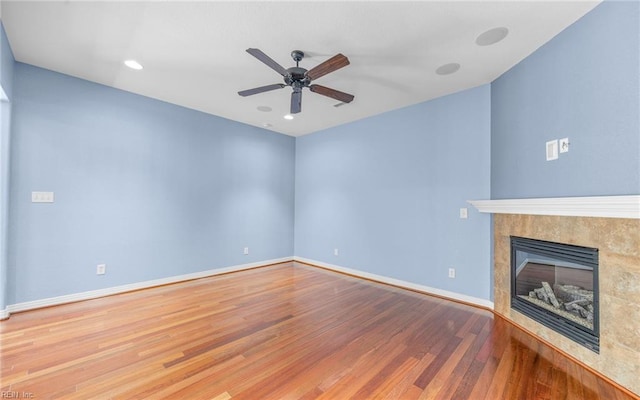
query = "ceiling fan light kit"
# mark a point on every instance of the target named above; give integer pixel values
(298, 78)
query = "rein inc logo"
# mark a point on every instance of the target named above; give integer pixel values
(7, 394)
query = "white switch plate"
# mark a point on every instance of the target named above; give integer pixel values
(101, 269)
(452, 272)
(564, 145)
(246, 251)
(42, 197)
(552, 150)
(335, 252)
(464, 213)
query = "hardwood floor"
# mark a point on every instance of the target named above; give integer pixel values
(287, 331)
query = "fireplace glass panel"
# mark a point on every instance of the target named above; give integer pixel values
(571, 294)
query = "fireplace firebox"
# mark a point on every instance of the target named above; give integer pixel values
(556, 284)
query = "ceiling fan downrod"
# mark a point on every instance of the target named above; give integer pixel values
(297, 56)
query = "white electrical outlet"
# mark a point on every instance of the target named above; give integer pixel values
(464, 213)
(335, 252)
(452, 272)
(564, 145)
(246, 251)
(101, 269)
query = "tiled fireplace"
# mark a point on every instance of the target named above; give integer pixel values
(618, 242)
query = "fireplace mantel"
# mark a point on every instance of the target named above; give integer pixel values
(599, 206)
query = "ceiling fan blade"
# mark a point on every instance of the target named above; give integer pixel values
(334, 94)
(296, 101)
(261, 89)
(257, 53)
(336, 62)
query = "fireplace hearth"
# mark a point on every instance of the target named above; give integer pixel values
(556, 284)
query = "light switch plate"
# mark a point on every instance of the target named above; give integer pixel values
(42, 197)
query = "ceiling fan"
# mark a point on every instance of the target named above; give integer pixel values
(298, 78)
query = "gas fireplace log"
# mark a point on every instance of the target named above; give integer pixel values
(569, 293)
(590, 312)
(582, 303)
(552, 297)
(541, 294)
(573, 306)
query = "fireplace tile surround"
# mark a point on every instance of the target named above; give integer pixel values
(618, 241)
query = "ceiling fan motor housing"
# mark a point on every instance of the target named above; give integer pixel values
(296, 74)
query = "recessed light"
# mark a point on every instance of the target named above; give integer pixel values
(267, 125)
(133, 64)
(264, 108)
(492, 36)
(448, 69)
(288, 116)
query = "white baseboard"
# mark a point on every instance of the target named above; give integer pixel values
(399, 283)
(93, 294)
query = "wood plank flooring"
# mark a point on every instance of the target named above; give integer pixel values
(287, 331)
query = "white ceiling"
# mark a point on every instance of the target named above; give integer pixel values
(193, 53)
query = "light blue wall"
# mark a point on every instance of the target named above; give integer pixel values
(386, 191)
(584, 85)
(6, 83)
(151, 189)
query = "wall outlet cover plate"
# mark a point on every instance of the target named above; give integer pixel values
(552, 150)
